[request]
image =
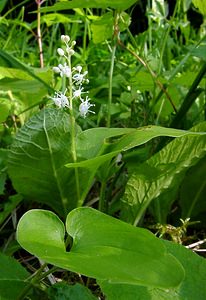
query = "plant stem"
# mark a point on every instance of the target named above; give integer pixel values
(153, 75)
(102, 196)
(39, 3)
(73, 137)
(110, 85)
(35, 279)
(115, 38)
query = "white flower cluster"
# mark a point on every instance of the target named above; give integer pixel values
(76, 77)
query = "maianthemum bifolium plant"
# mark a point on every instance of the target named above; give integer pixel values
(82, 196)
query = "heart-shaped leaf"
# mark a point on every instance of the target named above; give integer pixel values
(103, 247)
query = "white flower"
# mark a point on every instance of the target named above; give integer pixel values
(77, 93)
(63, 70)
(78, 77)
(78, 68)
(60, 99)
(84, 107)
(65, 38)
(70, 51)
(60, 51)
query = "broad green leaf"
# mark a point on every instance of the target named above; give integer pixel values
(200, 4)
(102, 28)
(5, 106)
(30, 91)
(142, 81)
(160, 176)
(192, 287)
(103, 247)
(64, 5)
(200, 51)
(12, 278)
(2, 4)
(62, 291)
(101, 151)
(37, 157)
(12, 62)
(56, 18)
(193, 190)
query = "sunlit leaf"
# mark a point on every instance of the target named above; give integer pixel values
(64, 5)
(103, 247)
(192, 285)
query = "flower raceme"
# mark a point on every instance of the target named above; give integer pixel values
(76, 78)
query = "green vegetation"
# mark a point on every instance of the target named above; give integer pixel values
(102, 149)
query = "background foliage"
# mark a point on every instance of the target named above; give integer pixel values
(140, 157)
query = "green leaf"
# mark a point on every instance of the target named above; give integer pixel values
(102, 150)
(56, 18)
(200, 4)
(200, 51)
(37, 157)
(12, 278)
(160, 176)
(192, 287)
(12, 62)
(20, 82)
(103, 247)
(102, 28)
(8, 206)
(62, 291)
(64, 5)
(5, 106)
(193, 190)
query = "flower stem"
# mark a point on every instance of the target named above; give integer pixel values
(110, 86)
(73, 136)
(39, 38)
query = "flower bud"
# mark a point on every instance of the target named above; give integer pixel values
(65, 38)
(79, 69)
(56, 69)
(60, 51)
(70, 51)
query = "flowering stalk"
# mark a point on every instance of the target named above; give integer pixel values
(39, 3)
(70, 95)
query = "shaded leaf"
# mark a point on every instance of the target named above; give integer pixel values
(193, 190)
(8, 206)
(62, 291)
(162, 174)
(12, 278)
